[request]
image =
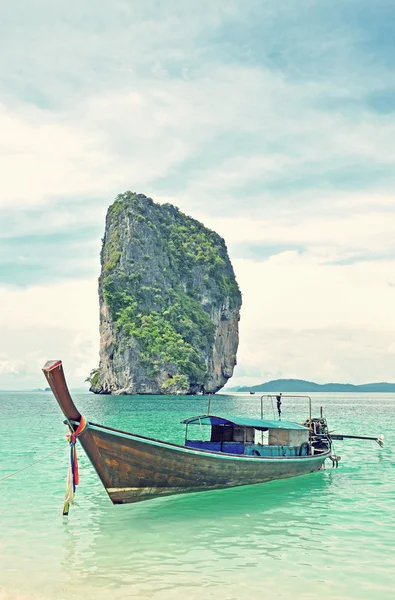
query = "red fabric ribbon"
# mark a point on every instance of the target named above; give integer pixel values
(73, 477)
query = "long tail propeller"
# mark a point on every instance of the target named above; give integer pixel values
(338, 436)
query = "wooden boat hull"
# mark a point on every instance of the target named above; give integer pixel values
(134, 468)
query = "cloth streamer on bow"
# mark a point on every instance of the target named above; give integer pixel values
(72, 474)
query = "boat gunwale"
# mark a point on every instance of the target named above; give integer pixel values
(201, 452)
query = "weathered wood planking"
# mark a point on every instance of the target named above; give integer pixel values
(144, 469)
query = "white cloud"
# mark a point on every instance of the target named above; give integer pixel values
(299, 292)
(306, 319)
(351, 227)
(300, 318)
(111, 141)
(41, 156)
(65, 305)
(48, 322)
(9, 367)
(166, 105)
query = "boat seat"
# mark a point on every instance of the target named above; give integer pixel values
(200, 445)
(233, 447)
(227, 447)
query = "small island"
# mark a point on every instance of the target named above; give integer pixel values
(169, 303)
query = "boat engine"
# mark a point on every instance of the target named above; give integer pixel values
(319, 434)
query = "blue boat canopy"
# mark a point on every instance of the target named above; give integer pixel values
(263, 424)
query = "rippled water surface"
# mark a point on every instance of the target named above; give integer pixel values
(326, 535)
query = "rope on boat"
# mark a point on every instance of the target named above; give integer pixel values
(72, 473)
(31, 464)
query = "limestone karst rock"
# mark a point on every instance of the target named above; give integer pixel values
(169, 303)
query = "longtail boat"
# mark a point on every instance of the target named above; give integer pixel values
(236, 451)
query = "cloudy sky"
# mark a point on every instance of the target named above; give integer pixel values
(271, 122)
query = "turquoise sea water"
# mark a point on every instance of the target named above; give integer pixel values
(326, 535)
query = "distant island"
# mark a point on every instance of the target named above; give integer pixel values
(301, 385)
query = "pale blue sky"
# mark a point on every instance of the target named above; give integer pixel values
(271, 122)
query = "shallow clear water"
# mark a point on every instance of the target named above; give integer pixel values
(326, 535)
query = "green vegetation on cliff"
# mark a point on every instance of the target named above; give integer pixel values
(93, 378)
(155, 287)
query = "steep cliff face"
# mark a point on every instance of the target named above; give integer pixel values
(169, 303)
